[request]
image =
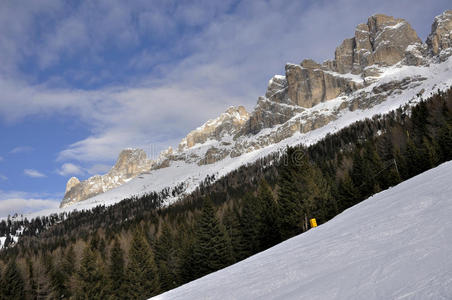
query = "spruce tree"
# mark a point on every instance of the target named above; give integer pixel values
(289, 195)
(269, 234)
(12, 285)
(249, 226)
(90, 276)
(142, 275)
(445, 142)
(68, 262)
(348, 194)
(116, 271)
(42, 280)
(212, 251)
(232, 226)
(31, 280)
(167, 259)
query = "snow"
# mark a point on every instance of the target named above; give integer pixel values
(191, 174)
(394, 245)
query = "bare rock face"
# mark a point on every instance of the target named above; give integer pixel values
(440, 39)
(130, 163)
(228, 123)
(383, 41)
(73, 181)
(308, 87)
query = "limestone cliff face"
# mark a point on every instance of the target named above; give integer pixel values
(228, 123)
(440, 39)
(130, 163)
(383, 41)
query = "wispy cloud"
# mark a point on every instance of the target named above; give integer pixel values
(3, 177)
(34, 173)
(225, 55)
(21, 149)
(23, 202)
(70, 169)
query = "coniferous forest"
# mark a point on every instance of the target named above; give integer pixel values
(137, 248)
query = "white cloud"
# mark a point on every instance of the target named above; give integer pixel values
(21, 149)
(70, 169)
(34, 173)
(22, 202)
(228, 61)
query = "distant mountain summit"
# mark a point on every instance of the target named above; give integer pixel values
(385, 61)
(130, 163)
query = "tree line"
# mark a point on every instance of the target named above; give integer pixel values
(137, 248)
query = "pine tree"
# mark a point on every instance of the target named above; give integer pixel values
(232, 226)
(12, 285)
(42, 280)
(90, 276)
(445, 142)
(68, 263)
(289, 195)
(212, 251)
(188, 268)
(141, 276)
(249, 227)
(116, 271)
(167, 259)
(31, 280)
(269, 234)
(348, 194)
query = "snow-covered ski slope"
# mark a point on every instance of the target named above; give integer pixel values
(394, 245)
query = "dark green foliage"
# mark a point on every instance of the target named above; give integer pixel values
(290, 193)
(116, 271)
(68, 263)
(32, 282)
(142, 279)
(249, 226)
(212, 250)
(12, 284)
(90, 277)
(233, 230)
(269, 234)
(445, 142)
(304, 193)
(167, 259)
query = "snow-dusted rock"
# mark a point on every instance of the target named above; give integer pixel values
(440, 39)
(130, 163)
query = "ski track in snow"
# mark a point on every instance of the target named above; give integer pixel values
(395, 245)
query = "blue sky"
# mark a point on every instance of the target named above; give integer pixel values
(80, 80)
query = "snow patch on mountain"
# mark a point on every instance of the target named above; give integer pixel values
(190, 173)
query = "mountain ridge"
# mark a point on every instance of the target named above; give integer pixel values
(308, 97)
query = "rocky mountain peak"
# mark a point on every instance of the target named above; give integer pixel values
(130, 163)
(228, 123)
(440, 39)
(73, 181)
(383, 41)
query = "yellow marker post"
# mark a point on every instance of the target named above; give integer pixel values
(313, 222)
